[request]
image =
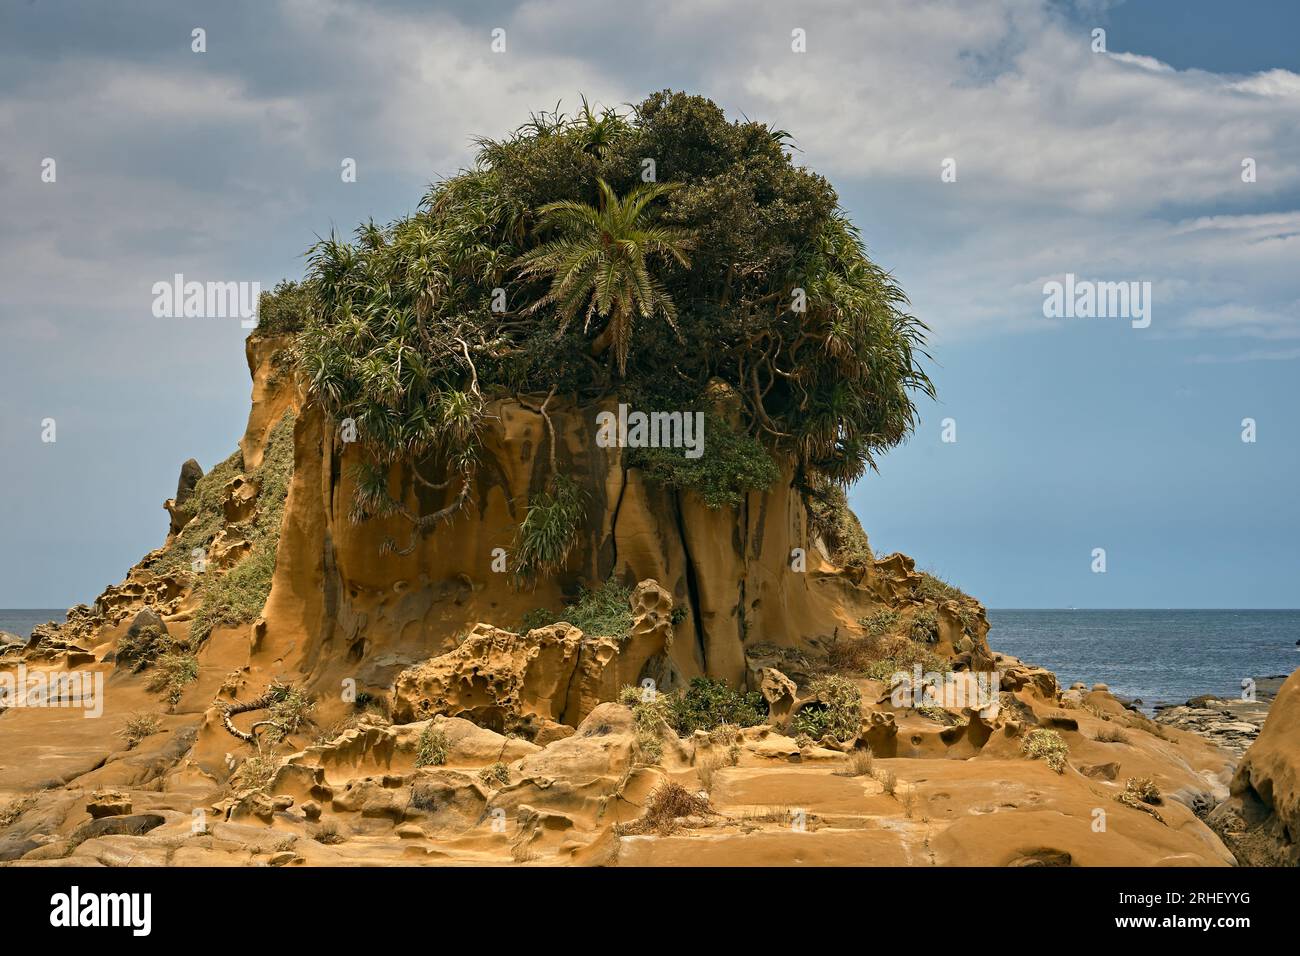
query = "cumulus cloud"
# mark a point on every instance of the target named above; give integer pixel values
(1109, 164)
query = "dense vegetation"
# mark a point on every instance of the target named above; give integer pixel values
(563, 263)
(603, 611)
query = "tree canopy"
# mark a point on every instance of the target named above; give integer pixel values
(692, 247)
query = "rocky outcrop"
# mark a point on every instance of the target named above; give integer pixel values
(1261, 821)
(506, 681)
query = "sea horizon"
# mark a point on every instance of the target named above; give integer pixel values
(1141, 654)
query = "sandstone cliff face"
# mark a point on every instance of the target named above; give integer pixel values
(729, 569)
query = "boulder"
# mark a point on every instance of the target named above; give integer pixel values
(189, 478)
(779, 691)
(502, 680)
(108, 803)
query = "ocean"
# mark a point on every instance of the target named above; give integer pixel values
(21, 620)
(1158, 656)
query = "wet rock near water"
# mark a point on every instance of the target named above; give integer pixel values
(1231, 722)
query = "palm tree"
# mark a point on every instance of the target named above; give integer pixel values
(598, 260)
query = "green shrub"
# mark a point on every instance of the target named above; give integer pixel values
(403, 314)
(286, 309)
(1047, 745)
(603, 612)
(537, 617)
(431, 751)
(549, 530)
(879, 623)
(140, 647)
(939, 715)
(925, 627)
(139, 726)
(903, 655)
(650, 715)
(934, 588)
(836, 713)
(172, 672)
(733, 464)
(707, 703)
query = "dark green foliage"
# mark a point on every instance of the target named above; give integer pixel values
(707, 703)
(549, 529)
(934, 588)
(605, 611)
(403, 338)
(285, 310)
(733, 464)
(925, 627)
(836, 713)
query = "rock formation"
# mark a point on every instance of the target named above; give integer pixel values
(392, 708)
(1261, 822)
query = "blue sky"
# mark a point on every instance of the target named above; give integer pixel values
(1071, 434)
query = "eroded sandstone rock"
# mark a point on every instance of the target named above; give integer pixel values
(499, 679)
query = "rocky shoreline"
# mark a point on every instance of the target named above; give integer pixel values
(1231, 723)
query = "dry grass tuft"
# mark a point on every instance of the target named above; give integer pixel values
(668, 804)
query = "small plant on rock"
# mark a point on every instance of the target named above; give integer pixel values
(139, 726)
(497, 775)
(880, 623)
(668, 804)
(888, 781)
(257, 772)
(860, 764)
(173, 672)
(327, 832)
(141, 646)
(925, 627)
(837, 711)
(431, 750)
(1141, 793)
(1047, 745)
(708, 703)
